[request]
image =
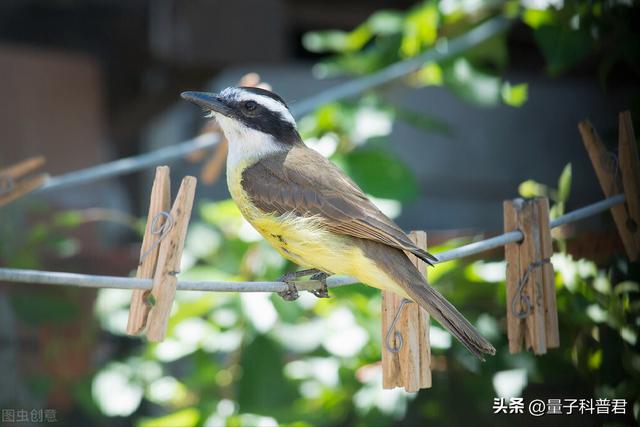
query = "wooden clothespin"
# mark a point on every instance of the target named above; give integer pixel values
(160, 255)
(406, 352)
(531, 294)
(13, 183)
(619, 175)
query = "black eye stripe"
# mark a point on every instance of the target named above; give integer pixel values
(260, 114)
(263, 92)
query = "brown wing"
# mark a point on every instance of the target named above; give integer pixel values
(304, 182)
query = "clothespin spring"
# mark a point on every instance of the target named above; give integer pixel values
(158, 230)
(397, 345)
(524, 299)
(612, 165)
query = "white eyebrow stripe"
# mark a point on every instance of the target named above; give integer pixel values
(269, 103)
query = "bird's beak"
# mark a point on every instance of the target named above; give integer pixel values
(208, 101)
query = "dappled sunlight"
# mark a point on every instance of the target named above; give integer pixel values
(112, 310)
(371, 123)
(344, 337)
(172, 349)
(492, 272)
(303, 337)
(372, 396)
(439, 338)
(259, 310)
(166, 390)
(115, 392)
(510, 383)
(325, 145)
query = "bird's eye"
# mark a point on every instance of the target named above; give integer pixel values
(250, 105)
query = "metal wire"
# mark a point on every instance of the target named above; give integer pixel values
(114, 282)
(525, 301)
(158, 230)
(128, 164)
(351, 88)
(85, 280)
(395, 71)
(131, 164)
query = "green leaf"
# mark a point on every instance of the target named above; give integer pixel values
(420, 30)
(564, 184)
(492, 52)
(627, 287)
(471, 84)
(325, 41)
(381, 174)
(328, 117)
(595, 360)
(562, 47)
(189, 309)
(68, 219)
(183, 418)
(39, 308)
(337, 41)
(515, 95)
(357, 38)
(531, 188)
(536, 18)
(263, 387)
(511, 9)
(386, 22)
(429, 75)
(427, 21)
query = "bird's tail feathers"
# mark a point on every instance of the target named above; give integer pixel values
(404, 274)
(449, 317)
(425, 256)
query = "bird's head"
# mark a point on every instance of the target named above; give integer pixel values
(243, 111)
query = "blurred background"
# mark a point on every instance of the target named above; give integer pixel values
(86, 82)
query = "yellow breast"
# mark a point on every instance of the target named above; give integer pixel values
(306, 242)
(303, 240)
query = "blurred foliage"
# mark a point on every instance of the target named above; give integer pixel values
(255, 360)
(23, 244)
(559, 196)
(566, 33)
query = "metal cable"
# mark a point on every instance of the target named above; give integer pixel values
(85, 280)
(348, 89)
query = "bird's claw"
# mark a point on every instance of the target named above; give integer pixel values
(291, 294)
(323, 292)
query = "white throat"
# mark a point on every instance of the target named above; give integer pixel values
(245, 143)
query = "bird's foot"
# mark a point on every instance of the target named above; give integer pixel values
(323, 292)
(291, 294)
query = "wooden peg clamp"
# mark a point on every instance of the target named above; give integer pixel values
(160, 202)
(619, 175)
(406, 353)
(532, 314)
(160, 255)
(630, 166)
(13, 183)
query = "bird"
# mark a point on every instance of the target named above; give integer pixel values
(312, 213)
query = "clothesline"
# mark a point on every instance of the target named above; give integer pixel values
(93, 281)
